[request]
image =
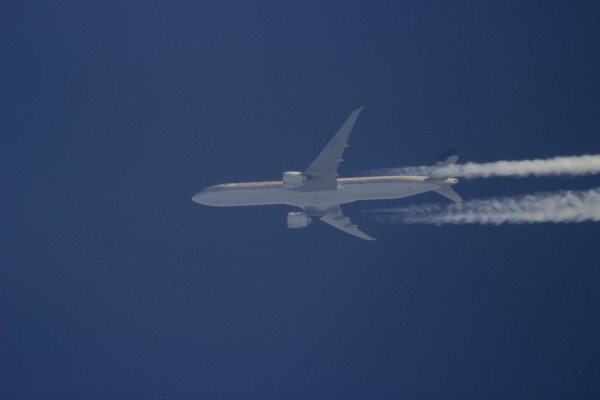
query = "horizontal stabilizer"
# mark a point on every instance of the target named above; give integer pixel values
(450, 193)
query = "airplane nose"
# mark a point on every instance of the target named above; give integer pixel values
(200, 198)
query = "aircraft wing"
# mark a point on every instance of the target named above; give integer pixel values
(322, 173)
(333, 216)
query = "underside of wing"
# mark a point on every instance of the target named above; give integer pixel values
(333, 216)
(322, 173)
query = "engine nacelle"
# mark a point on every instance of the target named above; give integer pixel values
(292, 179)
(298, 220)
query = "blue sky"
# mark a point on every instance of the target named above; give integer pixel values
(115, 285)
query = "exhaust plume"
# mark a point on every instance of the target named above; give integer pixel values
(554, 207)
(557, 166)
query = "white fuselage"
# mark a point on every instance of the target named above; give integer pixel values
(348, 190)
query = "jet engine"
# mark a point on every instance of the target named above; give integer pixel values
(292, 179)
(298, 220)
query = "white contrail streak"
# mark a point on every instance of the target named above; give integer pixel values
(556, 207)
(557, 166)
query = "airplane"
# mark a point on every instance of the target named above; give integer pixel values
(319, 192)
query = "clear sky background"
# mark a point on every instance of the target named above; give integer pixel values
(115, 285)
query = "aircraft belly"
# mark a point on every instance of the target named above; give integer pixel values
(382, 191)
(252, 197)
(345, 194)
(317, 198)
(270, 196)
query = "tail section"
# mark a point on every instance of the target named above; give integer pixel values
(448, 157)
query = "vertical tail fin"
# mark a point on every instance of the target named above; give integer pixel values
(449, 157)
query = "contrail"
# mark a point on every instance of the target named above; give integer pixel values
(557, 166)
(555, 207)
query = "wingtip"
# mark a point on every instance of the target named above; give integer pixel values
(357, 110)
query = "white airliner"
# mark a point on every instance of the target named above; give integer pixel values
(319, 191)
